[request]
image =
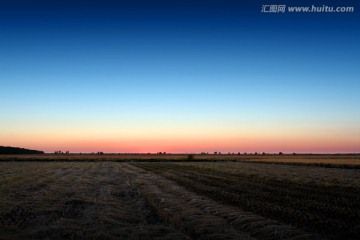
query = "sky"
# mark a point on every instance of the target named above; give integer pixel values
(179, 76)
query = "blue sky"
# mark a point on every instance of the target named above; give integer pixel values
(219, 66)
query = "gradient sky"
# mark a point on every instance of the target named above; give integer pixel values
(178, 76)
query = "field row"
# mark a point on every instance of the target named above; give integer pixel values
(347, 161)
(299, 174)
(204, 218)
(331, 211)
(74, 201)
(110, 200)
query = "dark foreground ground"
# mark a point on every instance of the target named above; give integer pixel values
(247, 199)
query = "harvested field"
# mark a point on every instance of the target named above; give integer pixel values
(331, 211)
(176, 200)
(321, 160)
(286, 172)
(75, 201)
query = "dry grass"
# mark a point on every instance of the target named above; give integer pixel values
(209, 197)
(285, 172)
(202, 217)
(74, 201)
(347, 161)
(332, 211)
(334, 161)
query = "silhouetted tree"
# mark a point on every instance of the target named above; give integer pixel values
(15, 150)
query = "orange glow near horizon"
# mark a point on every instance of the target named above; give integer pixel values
(194, 145)
(184, 138)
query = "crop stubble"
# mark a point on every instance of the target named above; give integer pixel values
(111, 200)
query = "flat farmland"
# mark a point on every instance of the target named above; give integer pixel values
(179, 197)
(323, 160)
(75, 201)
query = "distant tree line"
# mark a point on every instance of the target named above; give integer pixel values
(16, 150)
(67, 152)
(232, 153)
(61, 152)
